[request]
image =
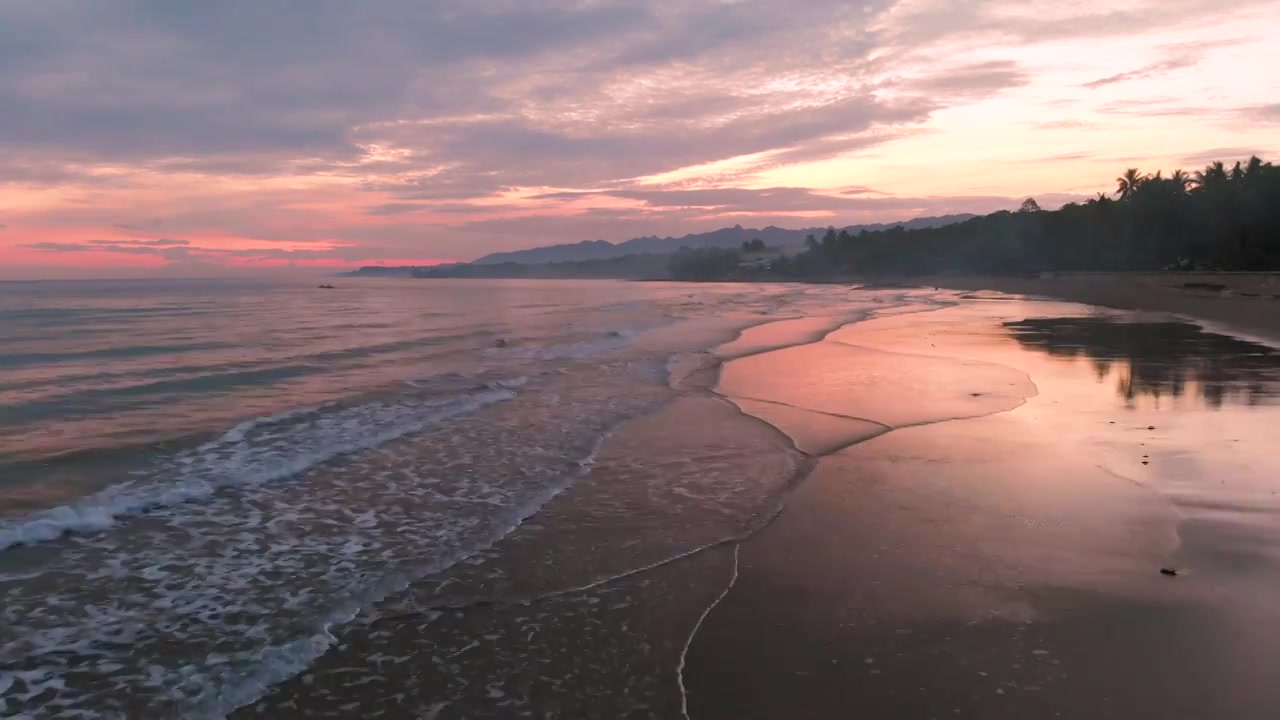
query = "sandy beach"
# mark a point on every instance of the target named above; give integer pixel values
(1245, 302)
(1008, 564)
(965, 505)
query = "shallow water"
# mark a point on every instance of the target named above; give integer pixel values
(423, 521)
(199, 483)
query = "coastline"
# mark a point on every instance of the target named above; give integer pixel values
(1008, 564)
(960, 536)
(1247, 302)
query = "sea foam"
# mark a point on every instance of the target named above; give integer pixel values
(255, 451)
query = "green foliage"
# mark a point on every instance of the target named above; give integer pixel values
(1215, 218)
(703, 264)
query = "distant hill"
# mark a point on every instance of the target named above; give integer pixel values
(645, 266)
(383, 271)
(722, 238)
(601, 250)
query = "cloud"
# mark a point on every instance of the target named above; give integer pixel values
(183, 251)
(1069, 124)
(159, 242)
(1161, 107)
(397, 126)
(130, 247)
(1178, 57)
(137, 226)
(1152, 70)
(494, 156)
(784, 201)
(1227, 155)
(1013, 22)
(473, 99)
(1262, 113)
(155, 79)
(1059, 157)
(978, 79)
(396, 209)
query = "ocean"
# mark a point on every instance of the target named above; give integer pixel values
(200, 479)
(499, 499)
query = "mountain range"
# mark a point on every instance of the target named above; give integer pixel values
(599, 250)
(723, 238)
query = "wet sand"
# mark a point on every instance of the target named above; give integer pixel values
(959, 508)
(1246, 302)
(1007, 565)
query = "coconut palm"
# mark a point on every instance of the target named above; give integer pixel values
(1128, 183)
(1181, 180)
(1212, 176)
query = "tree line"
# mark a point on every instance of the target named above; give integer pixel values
(1219, 218)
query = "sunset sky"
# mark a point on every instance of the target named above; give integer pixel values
(154, 137)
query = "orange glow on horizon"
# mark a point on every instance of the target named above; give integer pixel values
(928, 122)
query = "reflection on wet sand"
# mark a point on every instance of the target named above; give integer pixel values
(1007, 563)
(1160, 359)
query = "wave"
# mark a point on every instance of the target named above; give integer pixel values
(255, 451)
(578, 350)
(202, 608)
(235, 688)
(107, 353)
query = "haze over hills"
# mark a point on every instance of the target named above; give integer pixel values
(603, 250)
(722, 238)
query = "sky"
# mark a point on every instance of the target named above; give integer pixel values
(152, 137)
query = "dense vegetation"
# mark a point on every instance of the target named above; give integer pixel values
(1218, 219)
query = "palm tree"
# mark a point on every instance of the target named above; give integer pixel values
(1181, 181)
(1129, 183)
(1212, 175)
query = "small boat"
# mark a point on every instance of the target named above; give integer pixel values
(326, 286)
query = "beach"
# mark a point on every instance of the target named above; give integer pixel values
(695, 501)
(1246, 302)
(1009, 564)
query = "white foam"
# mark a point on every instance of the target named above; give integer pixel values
(239, 432)
(253, 452)
(233, 689)
(204, 607)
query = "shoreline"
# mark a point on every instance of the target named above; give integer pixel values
(1248, 302)
(933, 565)
(1004, 565)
